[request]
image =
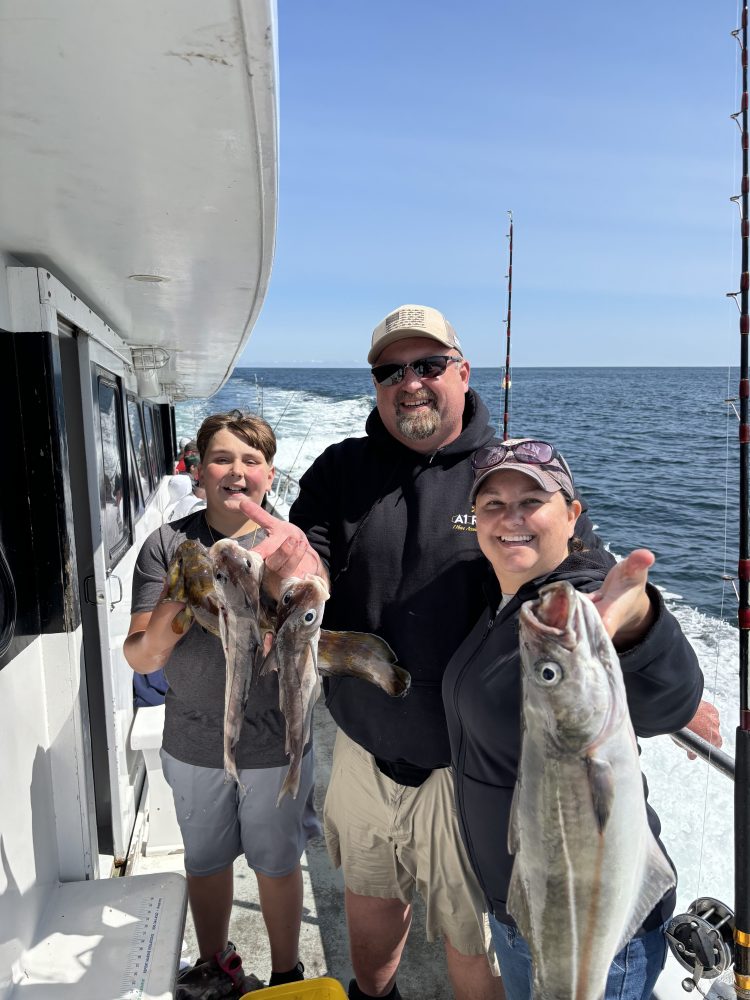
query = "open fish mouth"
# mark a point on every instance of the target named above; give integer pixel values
(554, 615)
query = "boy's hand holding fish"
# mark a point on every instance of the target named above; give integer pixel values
(286, 550)
(151, 640)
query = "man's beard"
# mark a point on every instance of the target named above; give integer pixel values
(420, 425)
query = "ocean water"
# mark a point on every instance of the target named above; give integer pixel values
(654, 452)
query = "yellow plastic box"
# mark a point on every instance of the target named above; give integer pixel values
(309, 989)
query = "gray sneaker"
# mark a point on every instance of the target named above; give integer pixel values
(219, 978)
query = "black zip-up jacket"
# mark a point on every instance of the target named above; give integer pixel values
(396, 530)
(482, 693)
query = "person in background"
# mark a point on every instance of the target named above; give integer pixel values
(390, 516)
(190, 450)
(526, 512)
(217, 824)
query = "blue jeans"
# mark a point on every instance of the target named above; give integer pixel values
(632, 974)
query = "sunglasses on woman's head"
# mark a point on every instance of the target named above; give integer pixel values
(524, 452)
(432, 367)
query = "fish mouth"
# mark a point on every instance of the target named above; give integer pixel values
(552, 614)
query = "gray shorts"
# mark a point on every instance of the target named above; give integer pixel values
(217, 826)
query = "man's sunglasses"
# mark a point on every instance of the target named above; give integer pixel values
(524, 452)
(432, 367)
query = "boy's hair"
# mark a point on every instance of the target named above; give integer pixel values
(250, 427)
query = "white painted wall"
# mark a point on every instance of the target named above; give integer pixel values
(5, 261)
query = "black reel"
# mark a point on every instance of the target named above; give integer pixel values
(702, 940)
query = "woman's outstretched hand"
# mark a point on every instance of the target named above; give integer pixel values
(623, 602)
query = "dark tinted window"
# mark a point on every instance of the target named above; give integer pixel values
(161, 462)
(138, 439)
(153, 454)
(115, 519)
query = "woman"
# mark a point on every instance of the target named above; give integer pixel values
(236, 471)
(525, 517)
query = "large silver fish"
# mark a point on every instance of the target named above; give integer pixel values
(237, 579)
(587, 869)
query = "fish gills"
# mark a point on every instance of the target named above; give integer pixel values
(587, 869)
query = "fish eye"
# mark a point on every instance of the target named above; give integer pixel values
(548, 673)
(221, 577)
(309, 616)
(287, 597)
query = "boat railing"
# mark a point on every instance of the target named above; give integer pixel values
(284, 489)
(718, 759)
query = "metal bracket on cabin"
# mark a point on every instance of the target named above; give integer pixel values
(175, 390)
(112, 602)
(702, 940)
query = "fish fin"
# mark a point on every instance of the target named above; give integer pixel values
(291, 781)
(657, 879)
(518, 902)
(602, 786)
(514, 839)
(182, 621)
(269, 663)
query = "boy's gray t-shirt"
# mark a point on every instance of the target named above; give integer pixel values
(196, 670)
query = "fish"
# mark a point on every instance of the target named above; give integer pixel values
(587, 869)
(190, 580)
(237, 581)
(293, 655)
(362, 655)
(223, 590)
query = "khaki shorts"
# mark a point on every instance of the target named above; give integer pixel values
(390, 839)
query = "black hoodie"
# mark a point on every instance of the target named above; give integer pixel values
(396, 530)
(482, 691)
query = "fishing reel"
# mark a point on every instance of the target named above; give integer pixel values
(702, 940)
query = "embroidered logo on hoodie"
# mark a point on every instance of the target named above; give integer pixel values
(464, 522)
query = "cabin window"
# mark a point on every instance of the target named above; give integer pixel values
(139, 456)
(155, 416)
(112, 486)
(148, 414)
(8, 606)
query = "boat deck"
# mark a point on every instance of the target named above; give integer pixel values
(323, 942)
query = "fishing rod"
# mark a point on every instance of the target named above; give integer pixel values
(709, 938)
(506, 377)
(742, 753)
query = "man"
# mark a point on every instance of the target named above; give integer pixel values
(390, 516)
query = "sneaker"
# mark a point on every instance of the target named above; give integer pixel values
(295, 975)
(217, 978)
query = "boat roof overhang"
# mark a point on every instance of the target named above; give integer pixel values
(139, 166)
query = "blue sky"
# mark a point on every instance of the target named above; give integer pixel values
(408, 128)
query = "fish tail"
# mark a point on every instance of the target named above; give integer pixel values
(291, 782)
